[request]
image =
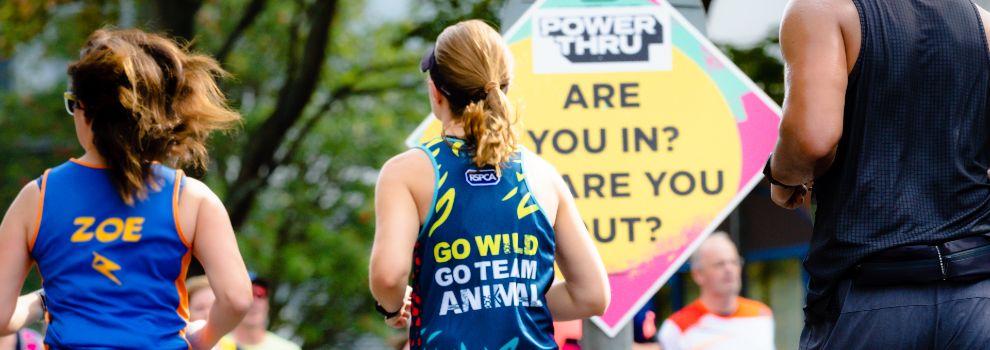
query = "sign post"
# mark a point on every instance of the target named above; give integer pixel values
(658, 135)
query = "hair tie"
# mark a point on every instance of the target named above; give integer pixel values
(490, 86)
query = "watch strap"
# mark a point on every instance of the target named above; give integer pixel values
(386, 313)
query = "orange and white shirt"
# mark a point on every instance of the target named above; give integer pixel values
(696, 328)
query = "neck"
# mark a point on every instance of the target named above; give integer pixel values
(453, 129)
(720, 304)
(92, 157)
(246, 334)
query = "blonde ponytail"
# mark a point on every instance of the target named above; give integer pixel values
(473, 58)
(487, 123)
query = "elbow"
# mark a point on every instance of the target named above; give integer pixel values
(816, 149)
(810, 144)
(594, 303)
(384, 281)
(238, 302)
(597, 306)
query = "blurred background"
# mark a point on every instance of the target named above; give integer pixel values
(328, 91)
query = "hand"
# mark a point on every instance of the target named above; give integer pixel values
(789, 198)
(402, 319)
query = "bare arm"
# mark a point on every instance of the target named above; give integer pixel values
(215, 246)
(18, 224)
(816, 69)
(585, 289)
(396, 227)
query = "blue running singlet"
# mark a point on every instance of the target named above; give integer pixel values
(483, 261)
(114, 274)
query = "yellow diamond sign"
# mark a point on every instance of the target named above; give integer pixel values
(657, 134)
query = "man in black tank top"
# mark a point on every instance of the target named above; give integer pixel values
(885, 130)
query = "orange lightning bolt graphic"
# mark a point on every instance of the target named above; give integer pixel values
(105, 266)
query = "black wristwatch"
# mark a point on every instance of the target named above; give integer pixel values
(769, 176)
(386, 313)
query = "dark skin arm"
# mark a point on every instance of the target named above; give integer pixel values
(820, 41)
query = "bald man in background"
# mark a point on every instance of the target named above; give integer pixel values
(720, 318)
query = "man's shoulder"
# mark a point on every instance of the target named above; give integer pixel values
(819, 12)
(688, 316)
(828, 6)
(752, 308)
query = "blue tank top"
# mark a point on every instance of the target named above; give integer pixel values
(483, 261)
(114, 274)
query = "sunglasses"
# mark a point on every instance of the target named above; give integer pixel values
(71, 102)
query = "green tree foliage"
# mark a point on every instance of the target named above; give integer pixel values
(327, 96)
(762, 64)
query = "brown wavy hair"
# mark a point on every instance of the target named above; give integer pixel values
(473, 58)
(148, 100)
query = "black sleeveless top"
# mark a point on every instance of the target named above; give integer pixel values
(911, 165)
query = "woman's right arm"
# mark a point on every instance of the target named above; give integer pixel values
(585, 290)
(19, 222)
(215, 246)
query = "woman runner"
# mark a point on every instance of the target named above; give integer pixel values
(477, 221)
(113, 232)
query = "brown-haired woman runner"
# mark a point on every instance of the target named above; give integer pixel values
(113, 232)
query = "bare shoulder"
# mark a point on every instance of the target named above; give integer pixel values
(533, 159)
(196, 191)
(800, 13)
(28, 201)
(818, 7)
(196, 201)
(811, 29)
(545, 182)
(412, 161)
(22, 216)
(30, 192)
(538, 166)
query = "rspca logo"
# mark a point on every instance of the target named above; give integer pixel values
(484, 177)
(589, 40)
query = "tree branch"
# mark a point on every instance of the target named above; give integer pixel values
(293, 98)
(247, 19)
(177, 17)
(293, 41)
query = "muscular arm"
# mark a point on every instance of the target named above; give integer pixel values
(816, 69)
(19, 222)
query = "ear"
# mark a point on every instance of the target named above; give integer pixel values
(435, 94)
(81, 110)
(696, 276)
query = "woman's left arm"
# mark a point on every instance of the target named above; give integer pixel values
(396, 227)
